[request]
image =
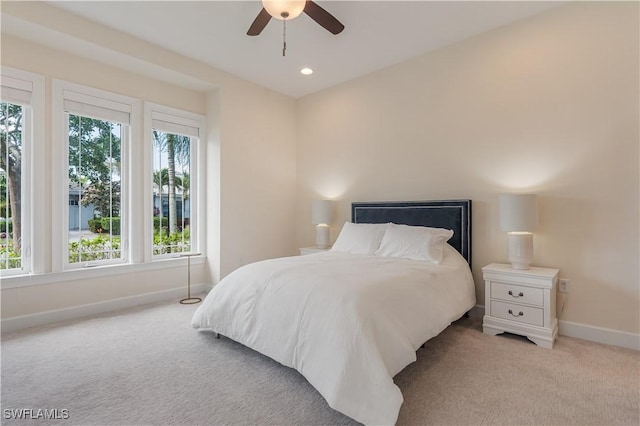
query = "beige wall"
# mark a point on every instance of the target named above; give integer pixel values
(257, 163)
(546, 105)
(250, 151)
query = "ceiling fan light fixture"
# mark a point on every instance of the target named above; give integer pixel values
(284, 9)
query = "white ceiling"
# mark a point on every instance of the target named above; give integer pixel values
(377, 34)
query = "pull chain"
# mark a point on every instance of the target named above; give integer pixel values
(284, 36)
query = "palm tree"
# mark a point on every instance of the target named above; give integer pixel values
(161, 180)
(177, 148)
(185, 184)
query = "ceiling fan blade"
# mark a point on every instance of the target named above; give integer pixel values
(259, 23)
(322, 17)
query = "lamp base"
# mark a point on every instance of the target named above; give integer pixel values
(520, 249)
(515, 265)
(322, 236)
(190, 300)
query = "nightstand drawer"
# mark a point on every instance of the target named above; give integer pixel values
(516, 293)
(519, 313)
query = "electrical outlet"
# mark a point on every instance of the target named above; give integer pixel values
(563, 285)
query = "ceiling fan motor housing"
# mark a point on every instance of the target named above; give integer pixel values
(284, 9)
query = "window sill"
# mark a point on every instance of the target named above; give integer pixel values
(18, 281)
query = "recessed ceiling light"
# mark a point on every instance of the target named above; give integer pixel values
(306, 71)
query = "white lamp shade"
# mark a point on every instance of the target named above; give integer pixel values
(321, 212)
(276, 8)
(518, 212)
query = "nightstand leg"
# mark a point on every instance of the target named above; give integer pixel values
(543, 343)
(491, 331)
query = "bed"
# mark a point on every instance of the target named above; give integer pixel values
(351, 318)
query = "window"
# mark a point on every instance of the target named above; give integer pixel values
(11, 193)
(94, 207)
(20, 104)
(110, 198)
(175, 199)
(94, 190)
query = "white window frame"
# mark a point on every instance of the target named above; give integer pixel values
(33, 188)
(64, 95)
(173, 120)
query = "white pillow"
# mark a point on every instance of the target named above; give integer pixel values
(360, 238)
(414, 242)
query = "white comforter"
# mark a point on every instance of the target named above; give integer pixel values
(348, 323)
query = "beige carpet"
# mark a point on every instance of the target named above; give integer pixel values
(147, 366)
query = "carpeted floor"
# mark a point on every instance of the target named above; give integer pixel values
(147, 366)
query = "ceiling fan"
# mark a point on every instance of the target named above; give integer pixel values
(286, 10)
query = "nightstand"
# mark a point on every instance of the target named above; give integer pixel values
(521, 301)
(311, 250)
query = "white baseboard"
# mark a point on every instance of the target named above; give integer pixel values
(591, 333)
(606, 336)
(92, 309)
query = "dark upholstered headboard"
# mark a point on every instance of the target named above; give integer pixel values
(449, 214)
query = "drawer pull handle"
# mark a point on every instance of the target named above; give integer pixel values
(519, 313)
(515, 297)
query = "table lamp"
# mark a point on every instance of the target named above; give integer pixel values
(519, 218)
(321, 217)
